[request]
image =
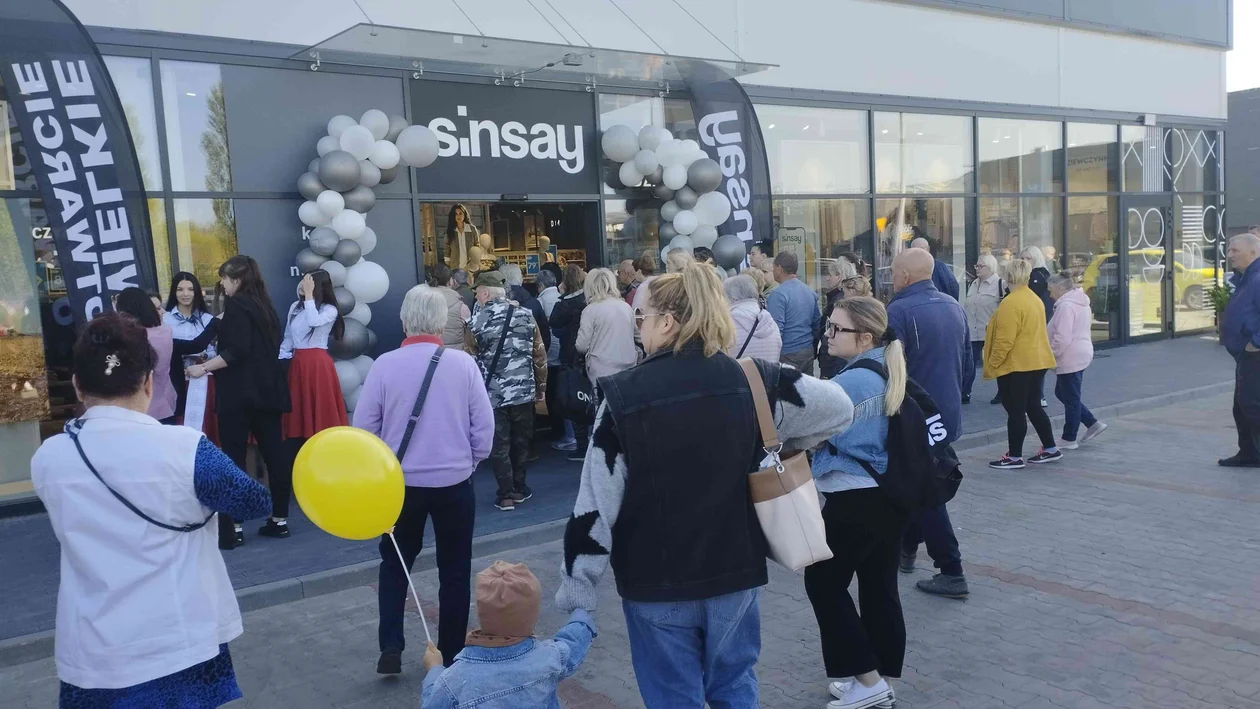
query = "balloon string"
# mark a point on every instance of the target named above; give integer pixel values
(414, 596)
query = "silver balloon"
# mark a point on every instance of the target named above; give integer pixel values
(307, 260)
(396, 125)
(323, 241)
(353, 342)
(668, 232)
(704, 175)
(686, 198)
(729, 251)
(309, 185)
(345, 301)
(704, 235)
(663, 193)
(669, 210)
(620, 143)
(371, 340)
(369, 174)
(388, 176)
(657, 177)
(347, 253)
(339, 170)
(360, 199)
(313, 166)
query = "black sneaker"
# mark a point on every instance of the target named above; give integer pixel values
(240, 536)
(524, 494)
(945, 586)
(1007, 463)
(1045, 457)
(907, 563)
(1238, 461)
(995, 400)
(966, 398)
(389, 664)
(505, 504)
(277, 530)
(577, 456)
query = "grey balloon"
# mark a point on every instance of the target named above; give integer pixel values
(353, 342)
(663, 193)
(704, 175)
(388, 176)
(323, 241)
(396, 126)
(360, 199)
(339, 170)
(308, 260)
(657, 176)
(371, 340)
(685, 197)
(347, 253)
(728, 251)
(309, 185)
(313, 166)
(345, 300)
(668, 232)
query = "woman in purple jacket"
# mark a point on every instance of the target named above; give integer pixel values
(439, 451)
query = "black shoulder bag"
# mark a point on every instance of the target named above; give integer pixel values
(751, 332)
(72, 430)
(498, 350)
(415, 410)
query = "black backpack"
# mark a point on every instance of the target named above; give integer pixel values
(923, 471)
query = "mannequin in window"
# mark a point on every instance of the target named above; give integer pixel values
(461, 234)
(544, 250)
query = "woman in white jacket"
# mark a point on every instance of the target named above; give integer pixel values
(606, 332)
(756, 334)
(1073, 347)
(983, 296)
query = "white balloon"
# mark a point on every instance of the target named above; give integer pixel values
(330, 202)
(620, 143)
(669, 152)
(367, 281)
(669, 210)
(685, 222)
(369, 174)
(348, 376)
(417, 146)
(664, 136)
(712, 208)
(363, 363)
(645, 162)
(384, 154)
(692, 157)
(311, 215)
(348, 224)
(338, 125)
(629, 175)
(675, 177)
(376, 121)
(336, 272)
(689, 146)
(357, 141)
(681, 242)
(649, 138)
(362, 313)
(367, 242)
(326, 145)
(353, 399)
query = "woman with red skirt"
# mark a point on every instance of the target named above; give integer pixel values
(314, 388)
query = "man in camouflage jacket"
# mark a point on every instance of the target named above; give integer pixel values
(516, 382)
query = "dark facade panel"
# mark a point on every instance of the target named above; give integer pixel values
(1242, 160)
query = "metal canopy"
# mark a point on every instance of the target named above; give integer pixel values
(508, 59)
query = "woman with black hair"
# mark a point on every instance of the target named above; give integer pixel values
(252, 393)
(461, 234)
(314, 389)
(189, 319)
(145, 608)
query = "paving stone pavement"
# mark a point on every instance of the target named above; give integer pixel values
(1126, 576)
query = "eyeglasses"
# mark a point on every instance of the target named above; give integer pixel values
(640, 316)
(834, 329)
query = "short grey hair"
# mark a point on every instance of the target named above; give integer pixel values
(1034, 255)
(1061, 280)
(546, 279)
(512, 274)
(842, 268)
(1251, 240)
(991, 261)
(600, 284)
(423, 311)
(494, 292)
(460, 276)
(741, 287)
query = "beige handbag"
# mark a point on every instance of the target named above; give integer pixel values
(783, 494)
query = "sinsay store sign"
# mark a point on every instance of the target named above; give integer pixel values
(507, 140)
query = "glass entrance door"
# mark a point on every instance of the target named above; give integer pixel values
(1146, 267)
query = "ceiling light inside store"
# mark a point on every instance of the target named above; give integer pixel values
(805, 128)
(918, 134)
(189, 93)
(884, 131)
(770, 127)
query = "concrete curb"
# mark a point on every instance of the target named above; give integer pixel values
(38, 646)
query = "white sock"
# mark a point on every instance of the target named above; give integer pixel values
(280, 521)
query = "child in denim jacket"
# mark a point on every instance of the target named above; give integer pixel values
(503, 666)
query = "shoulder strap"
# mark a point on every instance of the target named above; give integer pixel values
(415, 410)
(869, 364)
(765, 417)
(498, 349)
(751, 332)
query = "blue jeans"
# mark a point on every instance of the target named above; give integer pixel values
(1067, 389)
(686, 653)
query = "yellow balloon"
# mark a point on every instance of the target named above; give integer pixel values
(349, 483)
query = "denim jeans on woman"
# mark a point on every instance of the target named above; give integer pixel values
(689, 652)
(1067, 389)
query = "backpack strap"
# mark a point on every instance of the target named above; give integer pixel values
(765, 417)
(869, 364)
(498, 349)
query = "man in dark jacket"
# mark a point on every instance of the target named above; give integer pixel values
(942, 277)
(1240, 333)
(516, 291)
(933, 329)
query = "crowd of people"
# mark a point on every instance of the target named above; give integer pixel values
(487, 357)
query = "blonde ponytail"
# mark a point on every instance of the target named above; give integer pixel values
(870, 317)
(694, 297)
(895, 365)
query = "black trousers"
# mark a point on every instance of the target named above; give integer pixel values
(234, 430)
(864, 533)
(1021, 397)
(513, 429)
(1247, 405)
(452, 510)
(933, 527)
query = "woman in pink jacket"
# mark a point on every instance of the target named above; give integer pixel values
(1069, 332)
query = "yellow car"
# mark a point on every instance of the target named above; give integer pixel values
(1188, 283)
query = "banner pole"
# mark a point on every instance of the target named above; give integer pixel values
(414, 596)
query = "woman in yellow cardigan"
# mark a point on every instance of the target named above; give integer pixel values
(1017, 354)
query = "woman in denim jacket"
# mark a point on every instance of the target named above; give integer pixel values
(863, 526)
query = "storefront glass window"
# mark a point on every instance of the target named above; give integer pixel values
(636, 112)
(816, 150)
(196, 127)
(943, 222)
(1010, 224)
(916, 153)
(631, 227)
(6, 150)
(819, 230)
(1093, 158)
(205, 231)
(1197, 234)
(1091, 260)
(1142, 158)
(133, 77)
(1191, 159)
(1020, 156)
(161, 245)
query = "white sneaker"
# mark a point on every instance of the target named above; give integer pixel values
(858, 696)
(1093, 431)
(1066, 445)
(565, 445)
